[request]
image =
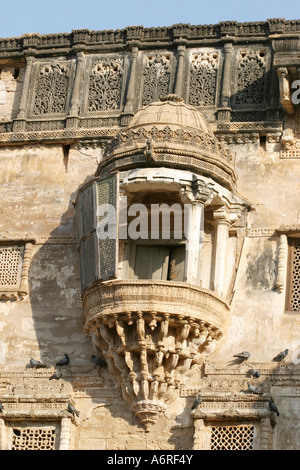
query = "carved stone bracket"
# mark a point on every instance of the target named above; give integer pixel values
(151, 333)
(284, 89)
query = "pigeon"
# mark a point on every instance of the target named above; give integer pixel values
(197, 402)
(243, 355)
(72, 410)
(99, 361)
(36, 364)
(63, 361)
(57, 375)
(1, 408)
(281, 356)
(273, 407)
(254, 389)
(255, 373)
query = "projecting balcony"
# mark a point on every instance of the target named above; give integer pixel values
(177, 299)
(151, 333)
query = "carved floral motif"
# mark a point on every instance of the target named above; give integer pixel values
(105, 84)
(203, 78)
(157, 74)
(251, 67)
(52, 88)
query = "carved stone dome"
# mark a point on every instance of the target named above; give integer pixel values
(170, 111)
(169, 133)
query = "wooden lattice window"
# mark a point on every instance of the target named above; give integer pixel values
(33, 438)
(293, 284)
(235, 437)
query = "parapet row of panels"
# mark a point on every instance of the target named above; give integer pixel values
(104, 81)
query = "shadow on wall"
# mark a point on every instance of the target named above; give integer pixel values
(58, 319)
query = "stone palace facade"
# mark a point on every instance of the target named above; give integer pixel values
(205, 118)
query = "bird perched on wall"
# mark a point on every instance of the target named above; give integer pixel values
(56, 376)
(36, 364)
(72, 410)
(99, 361)
(255, 390)
(197, 402)
(255, 373)
(244, 355)
(1, 407)
(281, 356)
(64, 361)
(273, 407)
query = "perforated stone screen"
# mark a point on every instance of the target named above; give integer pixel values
(295, 288)
(33, 438)
(238, 437)
(10, 266)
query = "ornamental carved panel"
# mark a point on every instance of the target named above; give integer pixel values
(52, 85)
(104, 84)
(157, 76)
(250, 76)
(203, 68)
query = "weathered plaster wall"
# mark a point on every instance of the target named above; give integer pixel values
(11, 81)
(37, 185)
(258, 313)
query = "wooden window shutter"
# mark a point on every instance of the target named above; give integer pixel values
(98, 257)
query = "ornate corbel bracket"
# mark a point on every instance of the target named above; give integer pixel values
(284, 89)
(195, 192)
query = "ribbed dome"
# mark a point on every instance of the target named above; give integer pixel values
(169, 133)
(170, 111)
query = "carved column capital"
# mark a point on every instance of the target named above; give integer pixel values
(196, 193)
(226, 215)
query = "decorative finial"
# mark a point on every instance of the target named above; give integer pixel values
(172, 97)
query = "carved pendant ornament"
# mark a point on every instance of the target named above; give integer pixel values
(149, 354)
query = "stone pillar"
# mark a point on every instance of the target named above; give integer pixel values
(23, 290)
(19, 122)
(224, 111)
(282, 262)
(72, 119)
(221, 223)
(65, 434)
(180, 70)
(2, 434)
(129, 106)
(199, 434)
(195, 199)
(195, 232)
(265, 434)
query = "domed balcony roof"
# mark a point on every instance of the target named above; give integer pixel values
(171, 111)
(169, 133)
